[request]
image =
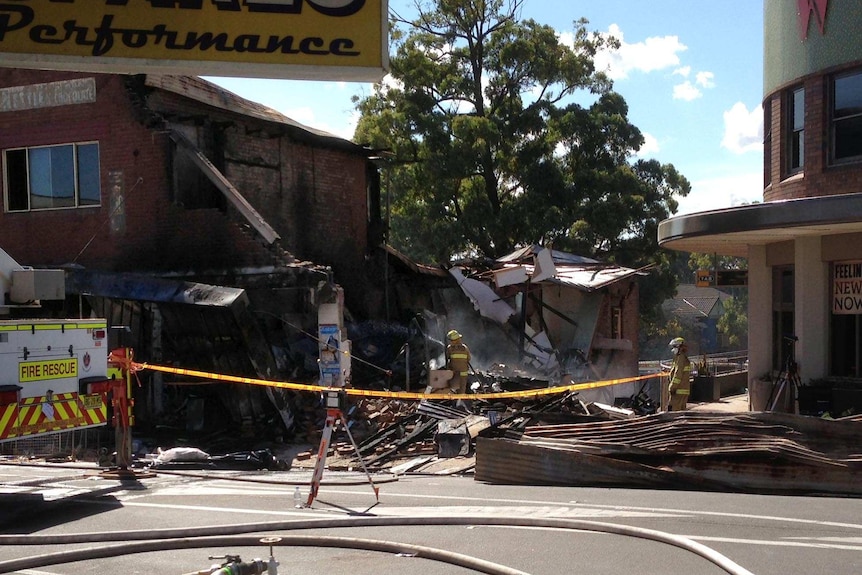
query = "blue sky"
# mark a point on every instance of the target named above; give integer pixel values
(690, 70)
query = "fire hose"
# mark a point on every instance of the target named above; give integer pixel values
(183, 538)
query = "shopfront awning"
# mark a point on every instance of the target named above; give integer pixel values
(730, 231)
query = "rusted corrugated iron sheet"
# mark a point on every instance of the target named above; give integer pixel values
(752, 452)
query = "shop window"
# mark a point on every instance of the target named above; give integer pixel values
(845, 337)
(847, 117)
(52, 177)
(796, 130)
(783, 293)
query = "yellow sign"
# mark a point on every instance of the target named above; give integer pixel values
(51, 369)
(298, 39)
(91, 401)
(705, 278)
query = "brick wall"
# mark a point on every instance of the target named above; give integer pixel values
(314, 196)
(54, 237)
(818, 178)
(624, 294)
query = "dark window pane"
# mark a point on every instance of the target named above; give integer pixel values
(88, 175)
(796, 143)
(40, 179)
(848, 138)
(848, 96)
(63, 176)
(798, 109)
(797, 150)
(16, 181)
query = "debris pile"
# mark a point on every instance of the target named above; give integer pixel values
(759, 452)
(439, 436)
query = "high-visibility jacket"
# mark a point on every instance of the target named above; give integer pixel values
(458, 358)
(680, 375)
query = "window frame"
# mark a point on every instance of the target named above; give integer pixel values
(767, 143)
(834, 120)
(795, 142)
(85, 166)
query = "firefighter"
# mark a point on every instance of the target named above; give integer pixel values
(679, 387)
(458, 360)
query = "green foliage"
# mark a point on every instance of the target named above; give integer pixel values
(502, 136)
(733, 323)
(698, 261)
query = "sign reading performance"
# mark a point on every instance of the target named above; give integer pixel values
(345, 40)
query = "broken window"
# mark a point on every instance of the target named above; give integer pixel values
(616, 322)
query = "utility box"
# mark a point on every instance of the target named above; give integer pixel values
(29, 285)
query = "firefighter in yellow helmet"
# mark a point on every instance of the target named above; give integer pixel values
(680, 375)
(458, 360)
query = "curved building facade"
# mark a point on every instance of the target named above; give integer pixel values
(804, 242)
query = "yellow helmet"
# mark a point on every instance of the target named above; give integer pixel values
(676, 342)
(453, 335)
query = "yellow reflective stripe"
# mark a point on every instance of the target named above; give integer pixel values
(458, 356)
(681, 392)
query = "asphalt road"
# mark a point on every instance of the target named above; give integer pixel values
(430, 522)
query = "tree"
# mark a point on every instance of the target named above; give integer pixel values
(733, 323)
(493, 150)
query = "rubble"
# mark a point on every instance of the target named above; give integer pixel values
(439, 436)
(758, 452)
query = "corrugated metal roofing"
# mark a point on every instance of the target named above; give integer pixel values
(560, 258)
(587, 278)
(208, 93)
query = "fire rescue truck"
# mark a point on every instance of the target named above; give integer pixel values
(55, 374)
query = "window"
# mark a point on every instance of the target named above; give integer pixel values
(783, 304)
(50, 177)
(767, 143)
(796, 135)
(616, 322)
(847, 117)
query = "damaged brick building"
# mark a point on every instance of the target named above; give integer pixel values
(202, 226)
(198, 223)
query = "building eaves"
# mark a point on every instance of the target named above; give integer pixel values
(730, 231)
(210, 94)
(413, 266)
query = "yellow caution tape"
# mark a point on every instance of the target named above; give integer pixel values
(396, 394)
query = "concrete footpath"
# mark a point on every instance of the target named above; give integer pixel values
(732, 404)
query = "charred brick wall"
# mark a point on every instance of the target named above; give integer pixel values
(136, 226)
(314, 196)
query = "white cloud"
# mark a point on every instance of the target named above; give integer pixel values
(719, 193)
(684, 71)
(705, 79)
(654, 53)
(743, 130)
(650, 146)
(686, 91)
(303, 115)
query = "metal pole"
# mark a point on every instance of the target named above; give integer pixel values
(407, 368)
